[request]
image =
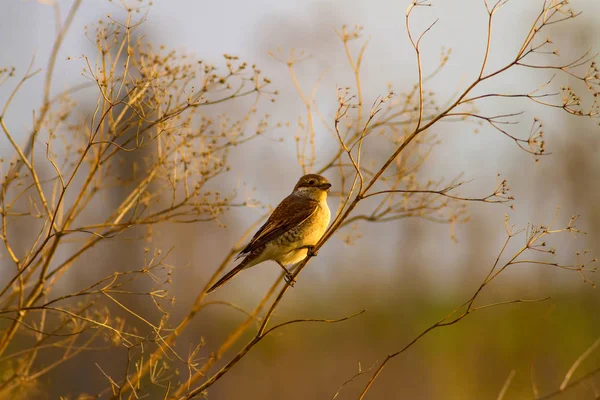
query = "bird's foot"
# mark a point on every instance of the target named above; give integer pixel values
(311, 251)
(289, 279)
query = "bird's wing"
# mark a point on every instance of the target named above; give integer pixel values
(291, 212)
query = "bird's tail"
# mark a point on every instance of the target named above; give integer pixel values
(227, 277)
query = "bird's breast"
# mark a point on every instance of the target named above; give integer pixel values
(314, 227)
(287, 247)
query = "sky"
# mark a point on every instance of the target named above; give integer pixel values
(250, 30)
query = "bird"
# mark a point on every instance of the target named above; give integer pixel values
(291, 231)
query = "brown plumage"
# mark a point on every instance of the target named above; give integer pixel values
(296, 224)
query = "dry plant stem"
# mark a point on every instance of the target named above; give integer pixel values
(349, 203)
(533, 243)
(196, 307)
(359, 373)
(438, 324)
(24, 160)
(124, 111)
(262, 332)
(355, 65)
(133, 113)
(577, 363)
(308, 103)
(573, 384)
(71, 352)
(507, 383)
(230, 341)
(47, 101)
(128, 203)
(567, 383)
(307, 162)
(23, 156)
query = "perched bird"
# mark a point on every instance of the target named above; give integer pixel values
(295, 226)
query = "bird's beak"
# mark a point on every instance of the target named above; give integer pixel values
(325, 186)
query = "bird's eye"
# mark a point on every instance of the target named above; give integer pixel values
(311, 182)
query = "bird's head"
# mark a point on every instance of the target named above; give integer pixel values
(312, 186)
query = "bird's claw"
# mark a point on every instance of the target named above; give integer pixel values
(311, 252)
(289, 279)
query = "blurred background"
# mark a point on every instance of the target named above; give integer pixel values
(407, 274)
